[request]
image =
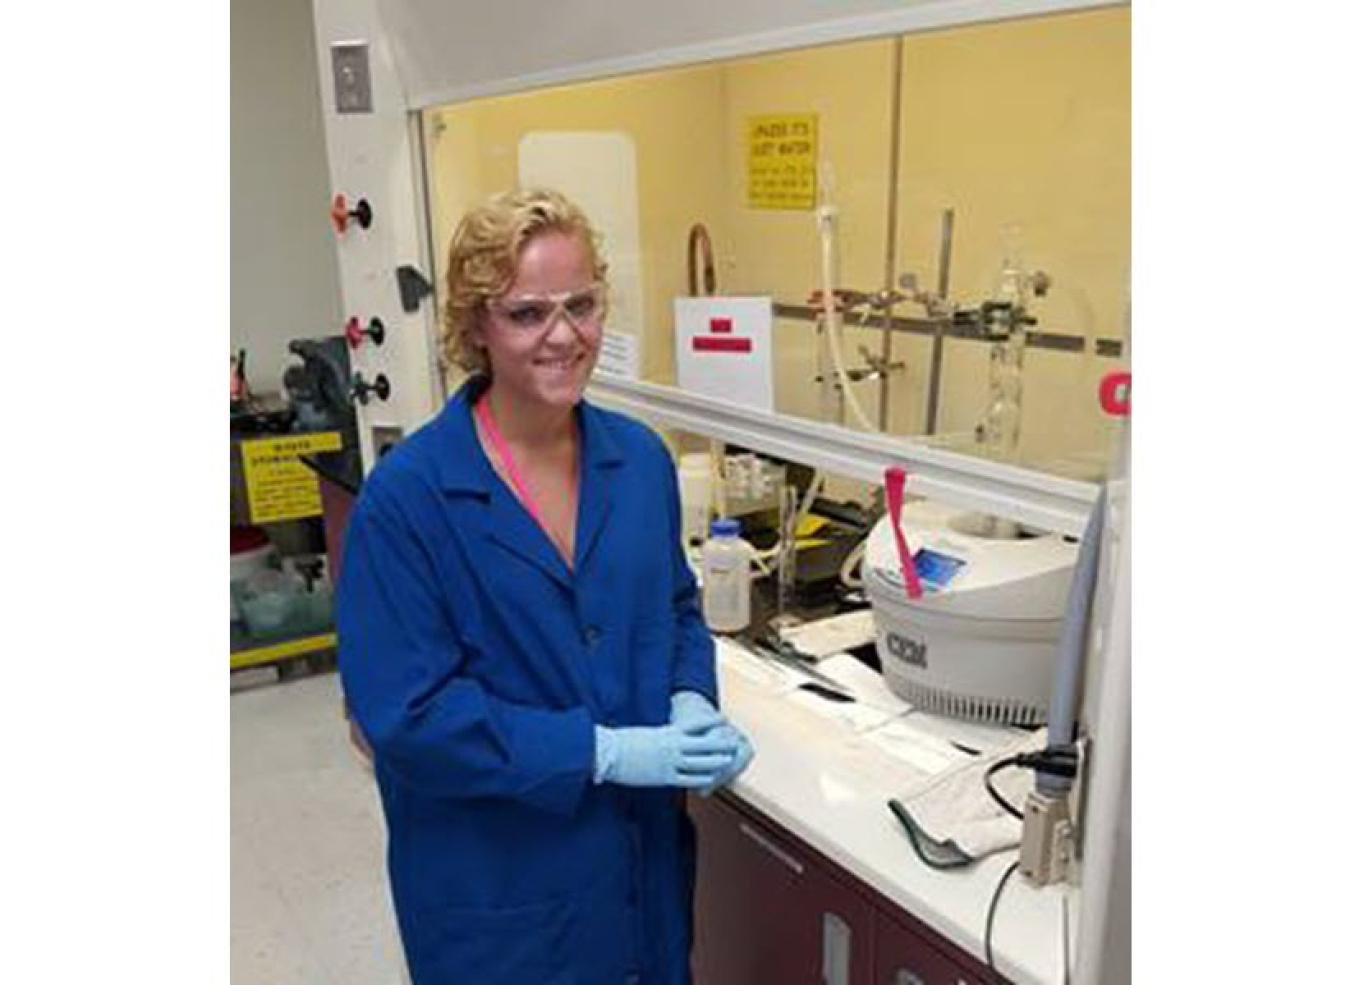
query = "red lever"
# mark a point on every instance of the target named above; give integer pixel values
(895, 498)
(341, 215)
(1114, 393)
(356, 334)
(353, 332)
(338, 212)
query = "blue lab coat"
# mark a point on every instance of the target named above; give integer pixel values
(478, 666)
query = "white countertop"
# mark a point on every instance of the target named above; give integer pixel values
(820, 772)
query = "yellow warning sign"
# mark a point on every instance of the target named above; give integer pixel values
(280, 486)
(781, 157)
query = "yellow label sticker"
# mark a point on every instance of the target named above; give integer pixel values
(803, 543)
(280, 651)
(781, 161)
(809, 524)
(280, 486)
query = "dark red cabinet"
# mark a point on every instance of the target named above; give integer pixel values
(766, 911)
(768, 908)
(904, 958)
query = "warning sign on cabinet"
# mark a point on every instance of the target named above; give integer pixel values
(280, 486)
(781, 154)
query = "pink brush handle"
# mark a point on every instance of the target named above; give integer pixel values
(895, 499)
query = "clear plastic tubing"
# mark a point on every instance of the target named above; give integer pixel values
(726, 578)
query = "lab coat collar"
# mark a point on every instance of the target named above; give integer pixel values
(464, 468)
(459, 465)
(600, 452)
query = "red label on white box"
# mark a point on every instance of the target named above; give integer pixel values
(724, 349)
(720, 343)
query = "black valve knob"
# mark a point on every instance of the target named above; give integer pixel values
(361, 390)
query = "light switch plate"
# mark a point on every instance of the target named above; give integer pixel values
(351, 77)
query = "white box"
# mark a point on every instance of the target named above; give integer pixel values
(724, 349)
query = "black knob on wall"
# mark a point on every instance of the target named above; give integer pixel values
(361, 390)
(412, 287)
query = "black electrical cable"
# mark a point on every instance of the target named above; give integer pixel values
(1061, 761)
(989, 924)
(1002, 764)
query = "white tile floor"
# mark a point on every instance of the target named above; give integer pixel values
(309, 902)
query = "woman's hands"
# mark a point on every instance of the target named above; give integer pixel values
(698, 749)
(688, 707)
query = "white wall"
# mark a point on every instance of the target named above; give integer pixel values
(283, 265)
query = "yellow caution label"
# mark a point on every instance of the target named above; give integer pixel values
(781, 161)
(280, 486)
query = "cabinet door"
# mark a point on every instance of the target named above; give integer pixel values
(766, 911)
(905, 958)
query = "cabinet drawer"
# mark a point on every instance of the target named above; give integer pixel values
(905, 958)
(766, 911)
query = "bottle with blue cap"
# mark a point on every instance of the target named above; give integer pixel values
(726, 578)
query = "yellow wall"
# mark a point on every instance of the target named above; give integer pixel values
(1023, 124)
(777, 252)
(675, 121)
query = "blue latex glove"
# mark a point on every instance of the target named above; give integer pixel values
(689, 755)
(740, 760)
(691, 707)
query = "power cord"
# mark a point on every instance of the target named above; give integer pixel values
(999, 977)
(989, 923)
(989, 775)
(1060, 760)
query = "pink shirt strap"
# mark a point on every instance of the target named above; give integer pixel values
(895, 499)
(494, 436)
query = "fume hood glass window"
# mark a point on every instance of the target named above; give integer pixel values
(978, 187)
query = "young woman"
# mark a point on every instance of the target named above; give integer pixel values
(521, 642)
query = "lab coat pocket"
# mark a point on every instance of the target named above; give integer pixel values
(494, 947)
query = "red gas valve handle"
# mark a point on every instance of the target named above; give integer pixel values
(341, 215)
(356, 334)
(1114, 394)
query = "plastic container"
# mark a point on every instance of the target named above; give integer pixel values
(250, 553)
(726, 578)
(272, 602)
(695, 476)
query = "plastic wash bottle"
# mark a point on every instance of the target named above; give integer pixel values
(726, 578)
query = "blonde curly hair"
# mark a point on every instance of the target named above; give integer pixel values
(483, 256)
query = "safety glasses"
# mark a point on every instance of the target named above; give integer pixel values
(536, 312)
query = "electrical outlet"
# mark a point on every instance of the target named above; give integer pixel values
(383, 437)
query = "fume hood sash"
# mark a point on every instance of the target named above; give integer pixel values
(452, 50)
(1038, 499)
